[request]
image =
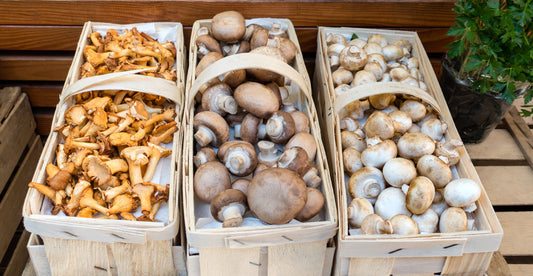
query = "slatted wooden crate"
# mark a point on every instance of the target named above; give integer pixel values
(78, 245)
(467, 252)
(297, 248)
(20, 149)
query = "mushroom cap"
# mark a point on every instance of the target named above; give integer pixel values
(367, 182)
(209, 43)
(210, 179)
(238, 156)
(226, 199)
(379, 124)
(259, 37)
(414, 145)
(137, 155)
(304, 140)
(341, 76)
(350, 139)
(313, 205)
(352, 160)
(241, 184)
(420, 195)
(204, 155)
(392, 52)
(287, 47)
(358, 209)
(301, 121)
(399, 171)
(215, 123)
(280, 127)
(76, 114)
(249, 128)
(381, 101)
(415, 109)
(374, 224)
(353, 58)
(453, 219)
(435, 169)
(391, 202)
(333, 38)
(401, 121)
(375, 68)
(462, 192)
(294, 159)
(277, 195)
(228, 26)
(434, 127)
(377, 38)
(403, 225)
(377, 155)
(207, 60)
(373, 48)
(363, 77)
(256, 99)
(234, 77)
(427, 222)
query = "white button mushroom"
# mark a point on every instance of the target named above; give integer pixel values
(333, 38)
(448, 149)
(435, 169)
(352, 160)
(350, 139)
(413, 145)
(363, 77)
(415, 109)
(356, 109)
(403, 225)
(381, 101)
(353, 58)
(373, 48)
(377, 38)
(378, 152)
(357, 42)
(374, 224)
(401, 121)
(462, 192)
(379, 124)
(367, 182)
(420, 195)
(427, 222)
(434, 127)
(341, 76)
(453, 219)
(391, 202)
(399, 171)
(358, 209)
(392, 52)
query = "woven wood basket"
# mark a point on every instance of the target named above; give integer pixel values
(466, 252)
(78, 245)
(301, 248)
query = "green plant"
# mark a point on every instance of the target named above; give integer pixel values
(494, 47)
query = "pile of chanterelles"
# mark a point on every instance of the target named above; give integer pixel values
(130, 51)
(112, 145)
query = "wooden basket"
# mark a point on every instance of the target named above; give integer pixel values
(91, 239)
(466, 252)
(252, 250)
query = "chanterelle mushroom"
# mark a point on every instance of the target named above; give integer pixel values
(136, 156)
(277, 195)
(228, 207)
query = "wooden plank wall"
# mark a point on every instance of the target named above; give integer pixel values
(38, 38)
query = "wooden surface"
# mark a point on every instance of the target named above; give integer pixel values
(508, 179)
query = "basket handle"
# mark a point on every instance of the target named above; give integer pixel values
(367, 90)
(246, 61)
(127, 80)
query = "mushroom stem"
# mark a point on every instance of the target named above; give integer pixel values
(110, 194)
(236, 161)
(226, 103)
(274, 126)
(233, 215)
(384, 227)
(74, 201)
(268, 154)
(372, 189)
(157, 153)
(144, 192)
(87, 200)
(204, 136)
(163, 136)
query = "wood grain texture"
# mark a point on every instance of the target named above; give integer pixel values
(20, 256)
(44, 121)
(499, 145)
(65, 38)
(42, 95)
(303, 13)
(34, 68)
(508, 185)
(521, 269)
(498, 265)
(517, 233)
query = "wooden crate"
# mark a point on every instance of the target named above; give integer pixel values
(465, 253)
(302, 248)
(20, 148)
(110, 243)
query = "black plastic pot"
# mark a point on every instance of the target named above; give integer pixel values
(475, 115)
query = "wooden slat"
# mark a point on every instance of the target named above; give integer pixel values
(521, 269)
(20, 256)
(14, 198)
(44, 121)
(499, 145)
(498, 266)
(65, 38)
(508, 185)
(50, 68)
(40, 38)
(517, 233)
(302, 13)
(42, 95)
(518, 103)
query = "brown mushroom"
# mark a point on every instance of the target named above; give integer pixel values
(256, 99)
(250, 129)
(207, 60)
(304, 140)
(207, 44)
(277, 195)
(204, 155)
(313, 205)
(379, 124)
(217, 98)
(294, 159)
(210, 179)
(211, 128)
(228, 26)
(229, 207)
(241, 184)
(280, 127)
(238, 156)
(268, 153)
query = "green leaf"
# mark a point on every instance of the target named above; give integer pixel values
(354, 36)
(455, 31)
(456, 48)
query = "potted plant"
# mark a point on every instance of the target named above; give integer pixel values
(489, 64)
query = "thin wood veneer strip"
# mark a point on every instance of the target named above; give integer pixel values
(526, 145)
